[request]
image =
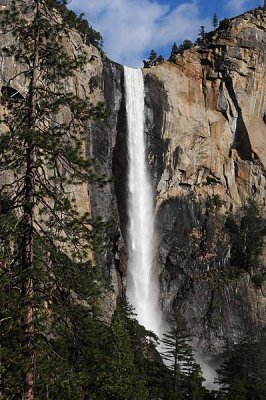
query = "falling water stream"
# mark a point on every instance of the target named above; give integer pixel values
(143, 280)
(143, 283)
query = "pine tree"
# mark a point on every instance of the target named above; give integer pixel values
(152, 56)
(202, 32)
(186, 373)
(215, 21)
(90, 36)
(160, 59)
(48, 283)
(243, 374)
(147, 359)
(153, 60)
(186, 45)
(119, 377)
(174, 52)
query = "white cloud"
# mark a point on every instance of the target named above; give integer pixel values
(132, 27)
(239, 6)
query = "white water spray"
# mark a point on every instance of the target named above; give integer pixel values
(143, 282)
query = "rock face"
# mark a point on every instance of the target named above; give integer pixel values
(205, 128)
(206, 135)
(107, 146)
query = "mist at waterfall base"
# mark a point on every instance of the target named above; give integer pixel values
(143, 280)
(209, 367)
(143, 290)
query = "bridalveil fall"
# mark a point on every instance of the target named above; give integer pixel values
(143, 282)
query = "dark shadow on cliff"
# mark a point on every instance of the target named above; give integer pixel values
(156, 106)
(241, 141)
(198, 275)
(120, 159)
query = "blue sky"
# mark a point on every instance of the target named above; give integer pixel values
(131, 28)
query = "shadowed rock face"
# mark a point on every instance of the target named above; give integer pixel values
(156, 105)
(206, 135)
(108, 147)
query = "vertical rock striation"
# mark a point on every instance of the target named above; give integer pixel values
(205, 122)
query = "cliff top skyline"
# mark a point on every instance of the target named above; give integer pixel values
(131, 28)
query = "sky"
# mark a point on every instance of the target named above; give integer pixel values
(131, 28)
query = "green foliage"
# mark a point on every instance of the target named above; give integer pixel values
(153, 60)
(68, 340)
(187, 377)
(119, 378)
(224, 24)
(174, 52)
(152, 56)
(246, 230)
(202, 32)
(243, 374)
(201, 35)
(50, 339)
(218, 201)
(160, 59)
(186, 45)
(215, 21)
(146, 357)
(258, 279)
(90, 36)
(215, 202)
(133, 368)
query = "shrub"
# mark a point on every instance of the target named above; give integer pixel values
(258, 280)
(215, 202)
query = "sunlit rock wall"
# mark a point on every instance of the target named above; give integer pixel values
(207, 137)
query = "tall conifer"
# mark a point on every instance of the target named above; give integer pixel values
(174, 52)
(215, 21)
(46, 278)
(186, 373)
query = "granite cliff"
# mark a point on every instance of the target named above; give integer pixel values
(207, 141)
(205, 126)
(206, 135)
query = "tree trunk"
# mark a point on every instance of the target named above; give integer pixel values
(27, 273)
(27, 226)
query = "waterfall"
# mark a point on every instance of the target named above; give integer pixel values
(143, 282)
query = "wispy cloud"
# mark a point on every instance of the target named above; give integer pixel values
(132, 27)
(240, 6)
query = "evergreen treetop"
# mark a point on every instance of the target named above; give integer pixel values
(202, 32)
(152, 56)
(153, 60)
(178, 354)
(174, 51)
(215, 21)
(120, 378)
(90, 35)
(201, 35)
